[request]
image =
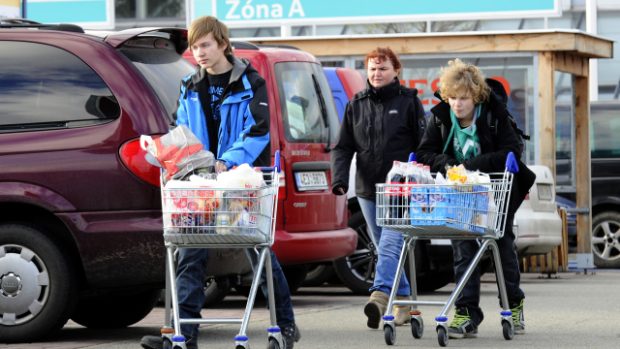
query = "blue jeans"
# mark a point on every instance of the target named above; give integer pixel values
(190, 280)
(465, 250)
(390, 244)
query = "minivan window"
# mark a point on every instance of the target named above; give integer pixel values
(42, 87)
(303, 107)
(162, 67)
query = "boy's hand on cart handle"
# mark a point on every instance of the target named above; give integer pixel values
(220, 166)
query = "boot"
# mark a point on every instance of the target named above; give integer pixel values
(401, 312)
(375, 308)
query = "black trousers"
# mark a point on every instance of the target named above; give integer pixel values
(464, 252)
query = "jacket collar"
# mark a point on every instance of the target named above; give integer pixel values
(385, 92)
(239, 67)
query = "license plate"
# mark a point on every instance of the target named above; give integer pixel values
(311, 181)
(544, 192)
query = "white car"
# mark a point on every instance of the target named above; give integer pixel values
(537, 223)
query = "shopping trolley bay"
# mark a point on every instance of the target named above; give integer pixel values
(569, 310)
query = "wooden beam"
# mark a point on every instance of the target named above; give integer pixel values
(474, 42)
(570, 63)
(546, 110)
(582, 163)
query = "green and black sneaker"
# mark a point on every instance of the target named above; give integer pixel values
(462, 325)
(517, 318)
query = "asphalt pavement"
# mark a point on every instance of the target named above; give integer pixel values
(570, 310)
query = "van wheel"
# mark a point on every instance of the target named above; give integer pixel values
(606, 239)
(37, 285)
(357, 271)
(115, 310)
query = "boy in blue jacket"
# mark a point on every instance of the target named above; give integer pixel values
(225, 105)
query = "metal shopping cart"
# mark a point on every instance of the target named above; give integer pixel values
(218, 218)
(431, 211)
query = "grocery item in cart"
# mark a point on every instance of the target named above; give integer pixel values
(179, 152)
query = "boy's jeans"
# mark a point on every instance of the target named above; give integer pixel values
(190, 281)
(390, 244)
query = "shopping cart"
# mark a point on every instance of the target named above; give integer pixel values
(431, 211)
(217, 218)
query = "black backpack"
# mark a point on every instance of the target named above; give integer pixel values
(499, 90)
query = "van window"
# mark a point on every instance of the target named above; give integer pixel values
(605, 131)
(309, 115)
(43, 87)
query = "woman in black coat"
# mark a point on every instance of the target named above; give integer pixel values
(471, 126)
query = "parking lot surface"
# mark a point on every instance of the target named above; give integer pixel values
(569, 310)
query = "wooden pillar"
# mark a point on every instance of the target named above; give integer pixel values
(546, 115)
(582, 162)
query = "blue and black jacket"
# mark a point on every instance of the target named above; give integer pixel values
(243, 135)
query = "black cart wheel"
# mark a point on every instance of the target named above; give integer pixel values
(417, 328)
(442, 336)
(273, 344)
(389, 334)
(508, 330)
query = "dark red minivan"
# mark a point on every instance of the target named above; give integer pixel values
(80, 208)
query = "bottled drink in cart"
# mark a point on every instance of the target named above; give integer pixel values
(396, 177)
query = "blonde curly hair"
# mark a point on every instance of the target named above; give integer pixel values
(463, 79)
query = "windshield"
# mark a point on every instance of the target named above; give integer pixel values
(162, 67)
(308, 114)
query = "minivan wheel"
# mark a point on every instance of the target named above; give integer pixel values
(115, 310)
(37, 285)
(606, 239)
(357, 271)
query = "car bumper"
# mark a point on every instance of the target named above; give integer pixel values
(538, 233)
(310, 247)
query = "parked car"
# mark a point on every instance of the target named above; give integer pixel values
(312, 223)
(605, 176)
(81, 228)
(537, 224)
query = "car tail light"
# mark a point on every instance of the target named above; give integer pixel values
(132, 156)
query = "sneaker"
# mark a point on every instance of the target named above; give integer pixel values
(375, 308)
(158, 342)
(462, 325)
(290, 335)
(517, 318)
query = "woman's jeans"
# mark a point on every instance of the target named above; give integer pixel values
(191, 269)
(390, 245)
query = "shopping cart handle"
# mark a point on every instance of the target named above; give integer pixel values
(512, 165)
(276, 163)
(412, 157)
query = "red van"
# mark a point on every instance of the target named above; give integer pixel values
(312, 223)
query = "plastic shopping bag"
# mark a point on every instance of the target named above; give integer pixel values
(179, 152)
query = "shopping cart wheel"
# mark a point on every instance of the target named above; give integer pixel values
(442, 336)
(417, 327)
(389, 334)
(508, 330)
(273, 344)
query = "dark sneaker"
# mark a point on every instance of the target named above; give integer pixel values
(152, 342)
(518, 320)
(462, 326)
(290, 335)
(158, 342)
